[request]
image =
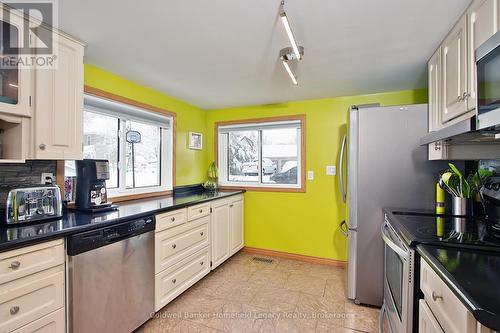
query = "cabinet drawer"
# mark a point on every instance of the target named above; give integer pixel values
(30, 298)
(51, 323)
(449, 311)
(174, 244)
(198, 211)
(173, 281)
(28, 260)
(170, 219)
(427, 323)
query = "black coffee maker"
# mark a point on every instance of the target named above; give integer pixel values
(91, 192)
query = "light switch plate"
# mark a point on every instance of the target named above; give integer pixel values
(331, 170)
(45, 176)
(310, 175)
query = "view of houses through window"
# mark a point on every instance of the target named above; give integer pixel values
(266, 154)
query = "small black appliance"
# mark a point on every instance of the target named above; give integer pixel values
(91, 192)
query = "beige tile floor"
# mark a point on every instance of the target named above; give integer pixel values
(244, 295)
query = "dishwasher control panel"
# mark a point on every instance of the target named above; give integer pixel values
(89, 240)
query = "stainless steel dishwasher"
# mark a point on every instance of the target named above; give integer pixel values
(111, 277)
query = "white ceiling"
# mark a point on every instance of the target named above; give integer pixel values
(223, 53)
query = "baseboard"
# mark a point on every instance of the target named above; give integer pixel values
(293, 256)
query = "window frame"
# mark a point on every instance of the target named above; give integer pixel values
(259, 185)
(167, 167)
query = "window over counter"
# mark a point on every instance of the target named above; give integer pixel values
(138, 143)
(263, 154)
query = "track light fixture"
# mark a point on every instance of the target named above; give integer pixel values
(293, 53)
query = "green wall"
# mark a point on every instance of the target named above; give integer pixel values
(302, 223)
(191, 165)
(305, 223)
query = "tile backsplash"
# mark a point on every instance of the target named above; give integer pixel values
(19, 175)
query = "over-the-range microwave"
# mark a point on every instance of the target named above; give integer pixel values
(488, 83)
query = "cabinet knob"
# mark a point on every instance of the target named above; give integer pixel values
(201, 263)
(172, 219)
(460, 98)
(14, 310)
(231, 205)
(174, 281)
(201, 211)
(435, 296)
(174, 246)
(201, 233)
(42, 146)
(465, 96)
(14, 265)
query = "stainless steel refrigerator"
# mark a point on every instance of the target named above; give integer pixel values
(386, 167)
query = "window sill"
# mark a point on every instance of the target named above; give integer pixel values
(120, 197)
(263, 188)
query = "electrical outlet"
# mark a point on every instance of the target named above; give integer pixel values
(310, 175)
(331, 170)
(46, 177)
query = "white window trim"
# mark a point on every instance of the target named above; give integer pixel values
(132, 113)
(222, 132)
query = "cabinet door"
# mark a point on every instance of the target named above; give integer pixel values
(454, 62)
(220, 233)
(15, 80)
(481, 22)
(434, 77)
(237, 226)
(59, 105)
(426, 321)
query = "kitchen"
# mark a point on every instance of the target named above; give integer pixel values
(277, 176)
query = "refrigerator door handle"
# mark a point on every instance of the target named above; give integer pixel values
(343, 228)
(341, 169)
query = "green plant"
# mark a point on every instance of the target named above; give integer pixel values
(212, 175)
(454, 182)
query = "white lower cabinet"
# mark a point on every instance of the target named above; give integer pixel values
(51, 323)
(220, 232)
(32, 289)
(236, 227)
(441, 310)
(172, 245)
(192, 241)
(426, 321)
(174, 280)
(227, 228)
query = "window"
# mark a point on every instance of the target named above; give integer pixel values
(263, 154)
(136, 142)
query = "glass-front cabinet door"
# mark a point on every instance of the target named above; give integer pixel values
(15, 76)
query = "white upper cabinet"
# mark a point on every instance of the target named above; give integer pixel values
(58, 130)
(15, 81)
(437, 150)
(482, 18)
(434, 77)
(454, 62)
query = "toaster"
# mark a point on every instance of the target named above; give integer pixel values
(33, 204)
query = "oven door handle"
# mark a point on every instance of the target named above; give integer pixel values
(387, 240)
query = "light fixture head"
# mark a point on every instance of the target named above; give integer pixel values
(288, 53)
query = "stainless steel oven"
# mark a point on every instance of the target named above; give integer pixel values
(396, 315)
(488, 83)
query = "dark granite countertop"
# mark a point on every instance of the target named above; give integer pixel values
(75, 221)
(474, 277)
